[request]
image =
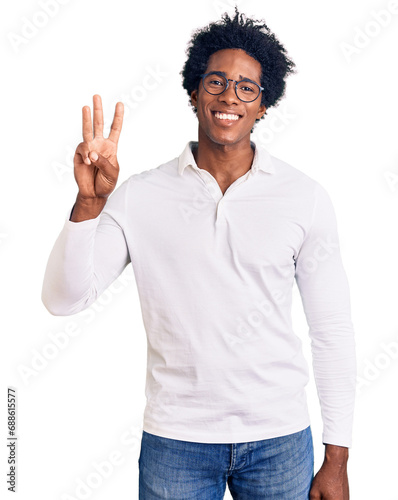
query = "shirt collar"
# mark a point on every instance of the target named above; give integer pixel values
(261, 161)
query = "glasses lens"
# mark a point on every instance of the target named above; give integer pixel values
(215, 84)
(248, 91)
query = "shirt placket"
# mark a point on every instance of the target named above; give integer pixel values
(216, 193)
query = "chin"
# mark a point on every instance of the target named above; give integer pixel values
(226, 140)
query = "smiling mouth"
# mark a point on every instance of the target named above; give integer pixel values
(226, 116)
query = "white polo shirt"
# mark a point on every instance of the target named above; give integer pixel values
(214, 275)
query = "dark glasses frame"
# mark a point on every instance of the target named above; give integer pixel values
(223, 75)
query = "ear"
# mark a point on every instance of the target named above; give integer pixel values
(194, 97)
(261, 110)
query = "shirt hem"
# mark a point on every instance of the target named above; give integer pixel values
(236, 437)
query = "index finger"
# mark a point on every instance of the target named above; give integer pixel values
(116, 126)
(87, 126)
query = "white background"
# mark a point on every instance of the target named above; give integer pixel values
(82, 403)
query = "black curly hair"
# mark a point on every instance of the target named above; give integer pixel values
(255, 38)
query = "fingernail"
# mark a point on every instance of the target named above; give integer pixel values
(87, 160)
(94, 156)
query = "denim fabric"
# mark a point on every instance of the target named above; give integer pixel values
(279, 468)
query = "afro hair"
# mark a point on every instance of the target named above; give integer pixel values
(250, 35)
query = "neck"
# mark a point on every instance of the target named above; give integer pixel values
(225, 162)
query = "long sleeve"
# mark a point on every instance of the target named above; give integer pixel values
(86, 258)
(324, 290)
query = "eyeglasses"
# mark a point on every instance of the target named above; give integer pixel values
(216, 83)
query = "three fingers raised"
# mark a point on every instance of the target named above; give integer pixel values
(98, 120)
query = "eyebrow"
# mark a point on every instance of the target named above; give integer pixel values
(240, 76)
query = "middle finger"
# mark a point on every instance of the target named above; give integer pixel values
(98, 116)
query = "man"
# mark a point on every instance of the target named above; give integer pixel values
(216, 238)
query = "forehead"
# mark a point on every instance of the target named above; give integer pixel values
(235, 63)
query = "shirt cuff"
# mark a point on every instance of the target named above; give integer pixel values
(89, 223)
(345, 441)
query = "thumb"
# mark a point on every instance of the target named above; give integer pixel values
(103, 164)
(93, 156)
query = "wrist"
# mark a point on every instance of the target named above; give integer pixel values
(87, 208)
(336, 454)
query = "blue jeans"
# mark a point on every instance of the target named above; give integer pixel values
(279, 468)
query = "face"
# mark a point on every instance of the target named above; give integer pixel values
(236, 64)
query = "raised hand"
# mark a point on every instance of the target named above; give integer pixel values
(96, 168)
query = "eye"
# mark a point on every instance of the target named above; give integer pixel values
(247, 88)
(216, 82)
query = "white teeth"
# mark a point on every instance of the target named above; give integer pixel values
(224, 116)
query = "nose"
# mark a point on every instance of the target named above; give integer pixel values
(229, 95)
